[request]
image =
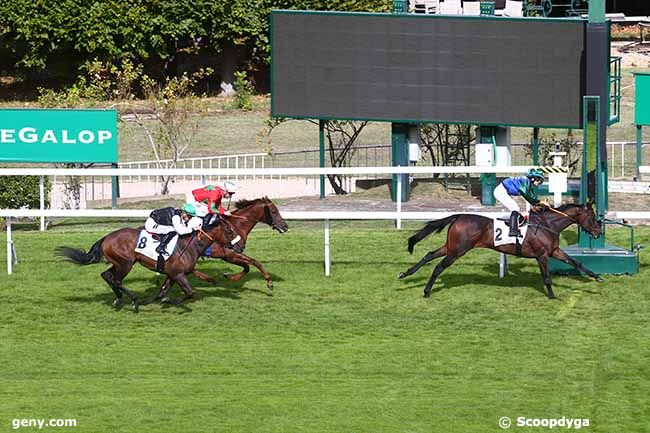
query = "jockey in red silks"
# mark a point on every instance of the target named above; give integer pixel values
(208, 199)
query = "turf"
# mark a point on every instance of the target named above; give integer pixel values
(356, 352)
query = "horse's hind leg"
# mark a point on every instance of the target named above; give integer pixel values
(109, 276)
(426, 259)
(440, 267)
(187, 288)
(119, 272)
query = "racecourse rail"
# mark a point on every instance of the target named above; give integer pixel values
(396, 215)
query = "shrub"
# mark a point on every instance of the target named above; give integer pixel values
(244, 91)
(22, 191)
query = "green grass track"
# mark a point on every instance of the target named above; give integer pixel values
(356, 352)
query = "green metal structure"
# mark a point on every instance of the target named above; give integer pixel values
(596, 254)
(641, 113)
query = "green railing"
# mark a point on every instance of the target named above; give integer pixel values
(614, 108)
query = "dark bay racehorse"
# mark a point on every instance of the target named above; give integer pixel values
(118, 248)
(243, 219)
(542, 241)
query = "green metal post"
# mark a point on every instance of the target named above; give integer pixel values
(400, 157)
(399, 134)
(115, 188)
(535, 146)
(639, 151)
(488, 180)
(321, 147)
(596, 11)
(591, 187)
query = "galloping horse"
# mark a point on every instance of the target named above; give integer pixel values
(469, 231)
(244, 218)
(118, 248)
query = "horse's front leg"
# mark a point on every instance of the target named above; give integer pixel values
(162, 292)
(245, 261)
(564, 257)
(187, 289)
(542, 261)
(204, 277)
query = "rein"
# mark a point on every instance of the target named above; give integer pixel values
(202, 232)
(561, 213)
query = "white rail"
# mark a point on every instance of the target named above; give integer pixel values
(232, 172)
(397, 215)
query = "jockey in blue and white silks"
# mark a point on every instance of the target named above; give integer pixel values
(524, 186)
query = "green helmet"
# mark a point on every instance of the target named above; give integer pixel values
(189, 209)
(535, 173)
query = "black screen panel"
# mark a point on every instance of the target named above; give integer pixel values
(427, 68)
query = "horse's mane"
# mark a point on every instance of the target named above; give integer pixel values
(566, 206)
(240, 204)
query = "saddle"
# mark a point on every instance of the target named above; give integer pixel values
(521, 221)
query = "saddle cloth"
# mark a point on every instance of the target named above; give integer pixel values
(501, 231)
(147, 244)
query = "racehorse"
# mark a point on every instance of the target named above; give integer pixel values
(469, 231)
(119, 246)
(246, 215)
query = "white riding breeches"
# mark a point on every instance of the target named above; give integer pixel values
(153, 227)
(504, 198)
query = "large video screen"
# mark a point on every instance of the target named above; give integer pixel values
(427, 68)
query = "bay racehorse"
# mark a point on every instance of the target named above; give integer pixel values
(467, 231)
(118, 248)
(246, 216)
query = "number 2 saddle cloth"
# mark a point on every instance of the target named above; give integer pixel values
(501, 231)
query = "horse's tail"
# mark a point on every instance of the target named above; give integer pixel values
(430, 227)
(94, 255)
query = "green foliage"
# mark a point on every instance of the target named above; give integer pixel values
(65, 35)
(100, 83)
(22, 191)
(567, 143)
(244, 91)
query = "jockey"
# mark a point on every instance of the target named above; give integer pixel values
(168, 221)
(524, 186)
(208, 199)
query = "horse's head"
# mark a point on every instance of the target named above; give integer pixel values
(587, 219)
(222, 232)
(272, 216)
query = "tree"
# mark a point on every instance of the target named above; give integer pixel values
(53, 39)
(341, 136)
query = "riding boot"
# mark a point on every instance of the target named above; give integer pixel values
(160, 264)
(164, 240)
(514, 224)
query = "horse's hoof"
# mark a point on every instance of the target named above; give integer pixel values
(117, 303)
(269, 285)
(427, 294)
(600, 279)
(165, 300)
(401, 275)
(136, 307)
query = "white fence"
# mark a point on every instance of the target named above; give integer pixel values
(397, 215)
